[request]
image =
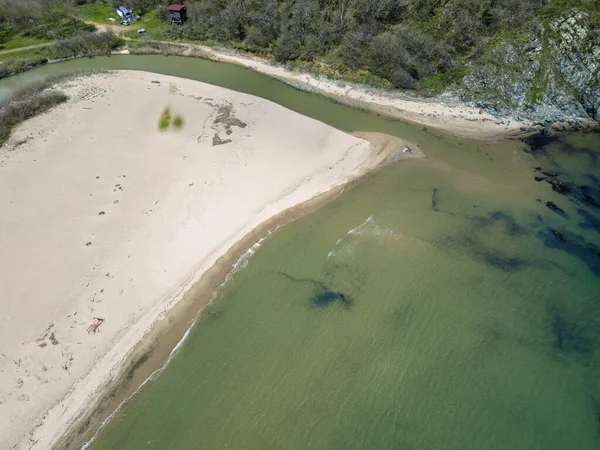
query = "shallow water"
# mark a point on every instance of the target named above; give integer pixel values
(430, 306)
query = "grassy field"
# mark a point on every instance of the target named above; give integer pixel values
(18, 41)
(99, 13)
(23, 54)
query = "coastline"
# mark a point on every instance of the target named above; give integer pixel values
(452, 116)
(108, 367)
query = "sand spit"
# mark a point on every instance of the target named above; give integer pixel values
(102, 215)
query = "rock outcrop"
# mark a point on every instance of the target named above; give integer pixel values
(548, 74)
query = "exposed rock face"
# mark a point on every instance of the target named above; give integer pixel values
(551, 74)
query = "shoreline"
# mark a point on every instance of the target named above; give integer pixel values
(84, 369)
(165, 335)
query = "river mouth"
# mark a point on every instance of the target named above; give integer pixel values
(429, 305)
(464, 184)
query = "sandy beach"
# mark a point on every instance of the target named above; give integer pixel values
(103, 215)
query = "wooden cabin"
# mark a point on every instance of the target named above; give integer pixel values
(177, 13)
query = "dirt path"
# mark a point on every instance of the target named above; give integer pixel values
(20, 49)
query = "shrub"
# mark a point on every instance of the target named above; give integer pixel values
(85, 44)
(32, 99)
(178, 122)
(14, 112)
(165, 119)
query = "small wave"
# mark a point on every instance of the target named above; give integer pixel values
(152, 377)
(368, 228)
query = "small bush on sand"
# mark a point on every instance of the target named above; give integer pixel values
(178, 122)
(31, 99)
(165, 119)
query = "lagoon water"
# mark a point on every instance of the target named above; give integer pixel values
(430, 306)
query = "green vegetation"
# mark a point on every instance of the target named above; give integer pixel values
(425, 45)
(98, 12)
(22, 54)
(178, 122)
(165, 119)
(30, 100)
(20, 40)
(536, 92)
(85, 44)
(10, 66)
(82, 44)
(29, 22)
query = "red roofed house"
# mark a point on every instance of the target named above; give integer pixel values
(177, 13)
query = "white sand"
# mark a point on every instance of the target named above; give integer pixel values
(157, 210)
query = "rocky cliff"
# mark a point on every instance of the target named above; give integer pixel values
(548, 74)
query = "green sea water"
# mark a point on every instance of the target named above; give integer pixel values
(428, 307)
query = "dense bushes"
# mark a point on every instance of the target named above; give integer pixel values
(85, 44)
(42, 19)
(404, 41)
(16, 110)
(407, 42)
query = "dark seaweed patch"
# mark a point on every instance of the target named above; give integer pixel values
(434, 199)
(511, 226)
(569, 337)
(573, 244)
(596, 411)
(582, 195)
(590, 222)
(589, 195)
(594, 178)
(490, 257)
(323, 296)
(507, 264)
(536, 145)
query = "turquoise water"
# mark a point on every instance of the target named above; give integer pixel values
(429, 307)
(437, 304)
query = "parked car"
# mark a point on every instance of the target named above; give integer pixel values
(141, 30)
(125, 22)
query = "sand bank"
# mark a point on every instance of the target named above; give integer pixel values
(454, 117)
(104, 215)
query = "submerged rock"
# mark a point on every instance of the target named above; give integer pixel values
(558, 235)
(555, 208)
